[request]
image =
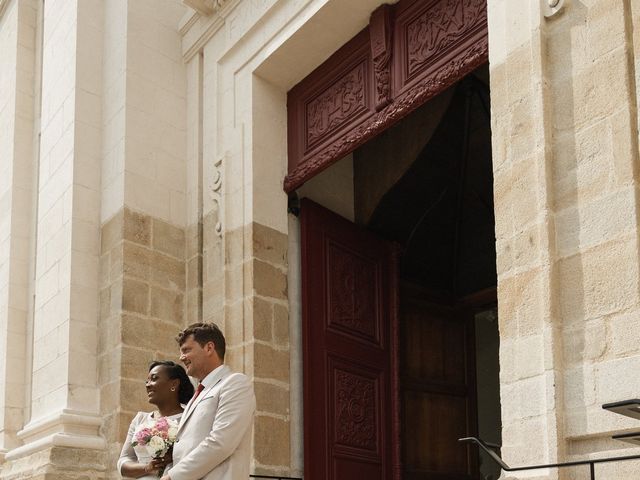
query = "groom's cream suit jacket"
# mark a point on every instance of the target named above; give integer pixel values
(214, 435)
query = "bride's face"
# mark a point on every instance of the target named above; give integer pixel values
(159, 386)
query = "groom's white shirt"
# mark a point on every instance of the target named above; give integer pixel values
(214, 435)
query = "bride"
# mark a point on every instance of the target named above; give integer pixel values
(168, 388)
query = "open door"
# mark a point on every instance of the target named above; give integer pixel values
(349, 289)
(438, 388)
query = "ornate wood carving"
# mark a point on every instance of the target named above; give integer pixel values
(380, 33)
(336, 105)
(353, 283)
(433, 45)
(355, 410)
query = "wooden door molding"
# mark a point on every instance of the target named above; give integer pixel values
(410, 52)
(349, 350)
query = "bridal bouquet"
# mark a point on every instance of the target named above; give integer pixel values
(155, 438)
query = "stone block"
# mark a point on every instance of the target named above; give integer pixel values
(262, 319)
(168, 239)
(615, 381)
(137, 227)
(269, 281)
(270, 363)
(622, 337)
(167, 305)
(135, 296)
(269, 245)
(273, 399)
(149, 334)
(271, 441)
(599, 281)
(136, 261)
(280, 325)
(585, 342)
(167, 272)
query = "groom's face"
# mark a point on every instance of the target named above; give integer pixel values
(196, 358)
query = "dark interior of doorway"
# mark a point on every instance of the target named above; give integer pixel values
(427, 185)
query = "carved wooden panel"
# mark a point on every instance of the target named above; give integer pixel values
(410, 52)
(336, 105)
(352, 293)
(356, 410)
(430, 33)
(350, 381)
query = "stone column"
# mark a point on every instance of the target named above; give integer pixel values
(18, 26)
(565, 178)
(63, 423)
(143, 218)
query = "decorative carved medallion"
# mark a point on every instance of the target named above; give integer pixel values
(355, 421)
(333, 107)
(352, 293)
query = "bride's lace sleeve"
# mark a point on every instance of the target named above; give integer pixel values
(128, 454)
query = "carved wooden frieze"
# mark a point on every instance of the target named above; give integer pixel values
(336, 105)
(410, 52)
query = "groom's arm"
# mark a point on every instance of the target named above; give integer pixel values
(233, 417)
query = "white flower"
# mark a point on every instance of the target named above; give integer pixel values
(157, 444)
(172, 433)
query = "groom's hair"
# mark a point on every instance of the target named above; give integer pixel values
(204, 333)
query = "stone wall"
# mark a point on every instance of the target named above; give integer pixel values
(142, 309)
(565, 172)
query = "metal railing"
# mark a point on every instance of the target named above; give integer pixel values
(488, 448)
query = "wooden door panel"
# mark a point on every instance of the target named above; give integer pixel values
(438, 390)
(348, 295)
(434, 422)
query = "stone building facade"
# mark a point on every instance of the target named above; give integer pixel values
(143, 150)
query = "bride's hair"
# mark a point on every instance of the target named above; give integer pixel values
(185, 391)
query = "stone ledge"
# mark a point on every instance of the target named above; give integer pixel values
(66, 428)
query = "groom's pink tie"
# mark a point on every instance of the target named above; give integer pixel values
(198, 390)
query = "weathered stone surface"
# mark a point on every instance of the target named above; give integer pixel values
(269, 281)
(137, 227)
(271, 441)
(168, 239)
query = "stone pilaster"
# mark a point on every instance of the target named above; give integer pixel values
(18, 27)
(564, 154)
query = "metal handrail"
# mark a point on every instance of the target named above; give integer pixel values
(591, 462)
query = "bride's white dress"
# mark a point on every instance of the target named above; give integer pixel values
(130, 453)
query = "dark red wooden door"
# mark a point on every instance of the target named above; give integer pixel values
(349, 325)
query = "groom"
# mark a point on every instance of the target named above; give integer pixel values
(214, 435)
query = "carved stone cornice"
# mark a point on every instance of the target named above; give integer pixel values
(205, 7)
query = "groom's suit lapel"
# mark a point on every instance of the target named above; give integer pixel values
(223, 372)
